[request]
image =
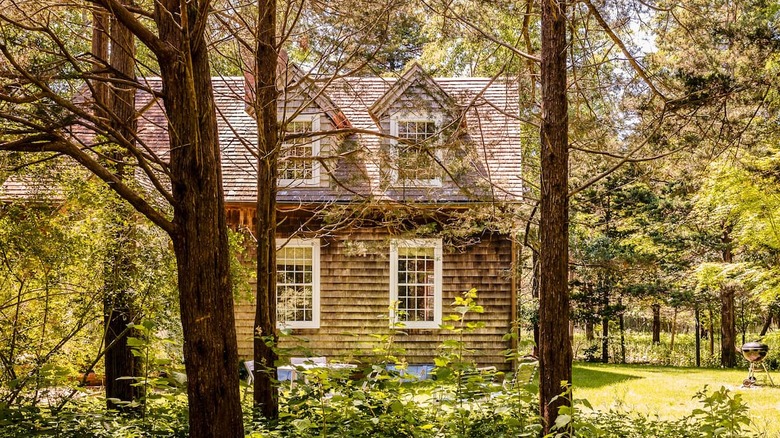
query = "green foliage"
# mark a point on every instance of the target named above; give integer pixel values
(640, 349)
(53, 284)
(462, 402)
(721, 414)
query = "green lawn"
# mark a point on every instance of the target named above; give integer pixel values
(669, 391)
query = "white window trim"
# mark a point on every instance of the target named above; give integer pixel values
(437, 278)
(394, 177)
(315, 153)
(314, 244)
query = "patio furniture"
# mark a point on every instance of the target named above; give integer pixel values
(309, 361)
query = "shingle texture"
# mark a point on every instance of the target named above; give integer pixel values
(482, 160)
(354, 165)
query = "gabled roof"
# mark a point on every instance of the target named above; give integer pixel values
(414, 75)
(489, 107)
(291, 78)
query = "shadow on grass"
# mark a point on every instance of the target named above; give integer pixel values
(590, 378)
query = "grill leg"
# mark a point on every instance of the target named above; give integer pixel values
(768, 376)
(751, 378)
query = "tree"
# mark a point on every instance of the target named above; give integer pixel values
(737, 206)
(40, 117)
(265, 109)
(49, 251)
(555, 355)
(116, 104)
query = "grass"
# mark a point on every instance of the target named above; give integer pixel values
(668, 392)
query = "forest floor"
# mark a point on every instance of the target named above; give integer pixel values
(669, 392)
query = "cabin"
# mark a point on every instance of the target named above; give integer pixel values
(391, 194)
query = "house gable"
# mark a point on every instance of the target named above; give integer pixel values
(424, 97)
(295, 86)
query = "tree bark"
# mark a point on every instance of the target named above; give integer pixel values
(673, 330)
(622, 327)
(656, 323)
(120, 306)
(728, 334)
(266, 58)
(767, 323)
(604, 339)
(100, 29)
(604, 321)
(199, 234)
(712, 332)
(728, 329)
(589, 335)
(535, 281)
(555, 354)
(697, 324)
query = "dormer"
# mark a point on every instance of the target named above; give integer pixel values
(418, 115)
(305, 115)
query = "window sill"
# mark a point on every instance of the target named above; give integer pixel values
(297, 183)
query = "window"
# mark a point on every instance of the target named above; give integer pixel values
(297, 163)
(298, 283)
(415, 151)
(416, 282)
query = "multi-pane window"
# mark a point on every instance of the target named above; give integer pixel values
(416, 282)
(297, 283)
(297, 162)
(415, 150)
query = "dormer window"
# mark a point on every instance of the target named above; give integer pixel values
(297, 158)
(416, 154)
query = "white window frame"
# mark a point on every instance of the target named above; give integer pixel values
(315, 152)
(394, 121)
(314, 244)
(436, 244)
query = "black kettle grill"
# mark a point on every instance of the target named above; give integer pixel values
(755, 353)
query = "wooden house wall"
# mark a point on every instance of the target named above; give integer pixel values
(354, 303)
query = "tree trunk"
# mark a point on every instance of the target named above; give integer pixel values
(605, 339)
(767, 323)
(656, 323)
(604, 322)
(100, 29)
(555, 354)
(673, 330)
(712, 332)
(535, 281)
(622, 326)
(265, 390)
(589, 335)
(728, 330)
(728, 335)
(697, 325)
(120, 307)
(199, 234)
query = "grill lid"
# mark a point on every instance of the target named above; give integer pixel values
(755, 346)
(755, 351)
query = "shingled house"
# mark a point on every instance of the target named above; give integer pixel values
(375, 168)
(385, 187)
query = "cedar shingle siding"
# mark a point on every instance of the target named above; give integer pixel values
(355, 299)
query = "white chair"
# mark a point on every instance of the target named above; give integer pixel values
(250, 376)
(250, 368)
